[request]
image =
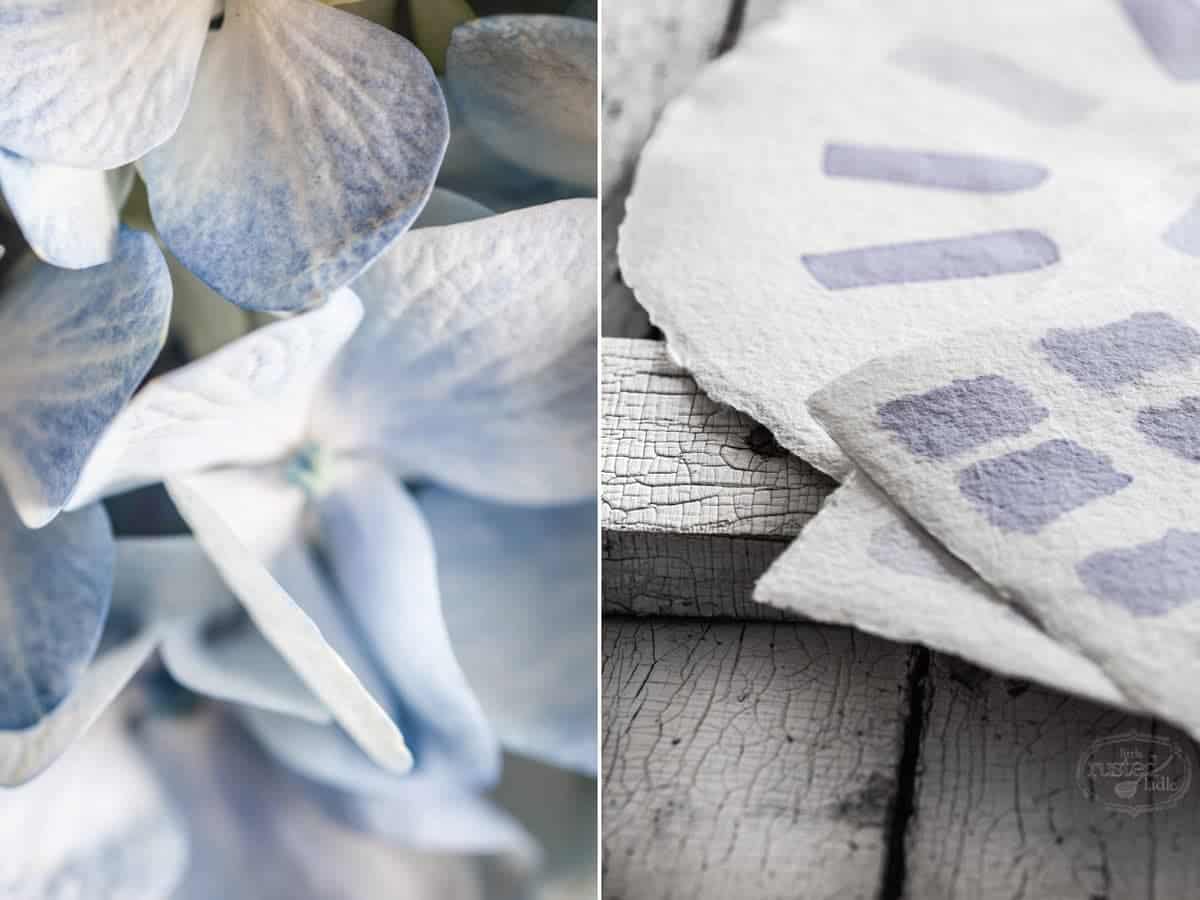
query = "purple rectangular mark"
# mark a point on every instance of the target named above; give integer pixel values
(995, 78)
(1122, 352)
(1170, 29)
(1147, 579)
(973, 256)
(923, 168)
(1028, 489)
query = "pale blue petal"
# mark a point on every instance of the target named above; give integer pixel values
(382, 559)
(70, 217)
(475, 363)
(55, 587)
(526, 85)
(95, 826)
(257, 831)
(519, 597)
(249, 522)
(311, 142)
(73, 347)
(448, 208)
(96, 83)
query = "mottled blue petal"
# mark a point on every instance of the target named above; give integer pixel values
(381, 556)
(70, 217)
(73, 347)
(475, 363)
(311, 142)
(526, 85)
(55, 587)
(96, 83)
(519, 597)
(96, 826)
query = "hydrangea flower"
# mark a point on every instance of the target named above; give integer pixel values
(282, 150)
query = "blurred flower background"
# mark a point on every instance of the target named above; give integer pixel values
(297, 449)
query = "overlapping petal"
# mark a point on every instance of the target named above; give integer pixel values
(96, 83)
(475, 362)
(246, 402)
(526, 85)
(519, 597)
(71, 217)
(381, 556)
(55, 587)
(73, 347)
(247, 520)
(311, 142)
(96, 825)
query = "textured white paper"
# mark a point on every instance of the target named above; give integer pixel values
(1062, 464)
(1045, 160)
(861, 562)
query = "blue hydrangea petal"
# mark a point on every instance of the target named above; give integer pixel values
(382, 559)
(519, 597)
(70, 217)
(98, 824)
(94, 84)
(475, 364)
(246, 402)
(249, 523)
(331, 130)
(73, 347)
(526, 86)
(55, 588)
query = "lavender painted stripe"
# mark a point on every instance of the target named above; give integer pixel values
(951, 171)
(1148, 579)
(1184, 233)
(974, 256)
(1174, 428)
(995, 78)
(1171, 31)
(1122, 352)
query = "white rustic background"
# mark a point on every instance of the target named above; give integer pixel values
(747, 755)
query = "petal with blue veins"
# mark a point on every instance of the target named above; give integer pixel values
(381, 556)
(96, 83)
(73, 347)
(475, 364)
(311, 142)
(70, 217)
(526, 85)
(243, 519)
(244, 403)
(96, 825)
(55, 588)
(519, 597)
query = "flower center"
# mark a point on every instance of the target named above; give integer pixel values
(308, 468)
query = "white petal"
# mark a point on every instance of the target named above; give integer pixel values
(246, 402)
(526, 86)
(475, 364)
(97, 83)
(95, 825)
(241, 519)
(69, 216)
(73, 347)
(311, 142)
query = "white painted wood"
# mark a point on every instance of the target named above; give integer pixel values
(696, 498)
(651, 50)
(998, 814)
(747, 760)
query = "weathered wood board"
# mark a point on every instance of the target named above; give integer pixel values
(998, 814)
(697, 499)
(751, 760)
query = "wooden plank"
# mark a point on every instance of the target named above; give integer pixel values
(651, 50)
(999, 814)
(747, 760)
(697, 499)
